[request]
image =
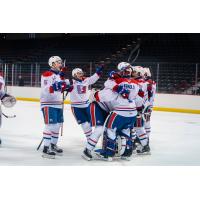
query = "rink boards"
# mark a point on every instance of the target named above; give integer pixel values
(163, 102)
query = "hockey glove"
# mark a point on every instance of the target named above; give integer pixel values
(99, 70)
(141, 93)
(69, 88)
(58, 86)
(139, 110)
(121, 90)
(63, 72)
(113, 75)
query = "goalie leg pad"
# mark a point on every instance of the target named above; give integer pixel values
(126, 133)
(110, 147)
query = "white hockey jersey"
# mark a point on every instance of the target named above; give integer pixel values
(121, 106)
(106, 106)
(48, 97)
(79, 96)
(2, 87)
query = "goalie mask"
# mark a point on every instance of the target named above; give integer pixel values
(8, 101)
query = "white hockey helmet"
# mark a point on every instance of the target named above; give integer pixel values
(147, 71)
(123, 65)
(54, 59)
(76, 70)
(139, 70)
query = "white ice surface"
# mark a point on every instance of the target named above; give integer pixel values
(175, 140)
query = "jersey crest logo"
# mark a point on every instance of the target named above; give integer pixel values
(81, 89)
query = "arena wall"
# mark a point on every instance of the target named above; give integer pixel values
(163, 102)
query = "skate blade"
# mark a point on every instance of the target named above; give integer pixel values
(48, 156)
(125, 158)
(86, 158)
(59, 154)
(144, 154)
(100, 157)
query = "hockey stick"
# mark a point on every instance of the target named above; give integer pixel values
(63, 113)
(40, 144)
(8, 116)
(63, 99)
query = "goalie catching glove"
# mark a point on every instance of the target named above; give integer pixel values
(8, 101)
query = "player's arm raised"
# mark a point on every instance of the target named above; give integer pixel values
(95, 77)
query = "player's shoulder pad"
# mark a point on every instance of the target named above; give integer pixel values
(47, 74)
(140, 81)
(134, 81)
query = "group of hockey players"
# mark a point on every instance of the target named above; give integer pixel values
(120, 112)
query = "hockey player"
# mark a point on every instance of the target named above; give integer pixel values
(53, 85)
(99, 111)
(6, 99)
(79, 98)
(151, 90)
(138, 133)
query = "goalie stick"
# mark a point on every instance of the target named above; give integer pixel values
(63, 101)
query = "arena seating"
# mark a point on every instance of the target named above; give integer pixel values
(176, 55)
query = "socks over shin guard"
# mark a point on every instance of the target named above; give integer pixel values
(87, 129)
(94, 137)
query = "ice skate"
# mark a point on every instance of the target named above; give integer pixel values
(87, 154)
(58, 151)
(144, 150)
(47, 153)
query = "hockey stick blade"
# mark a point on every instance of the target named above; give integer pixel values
(8, 116)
